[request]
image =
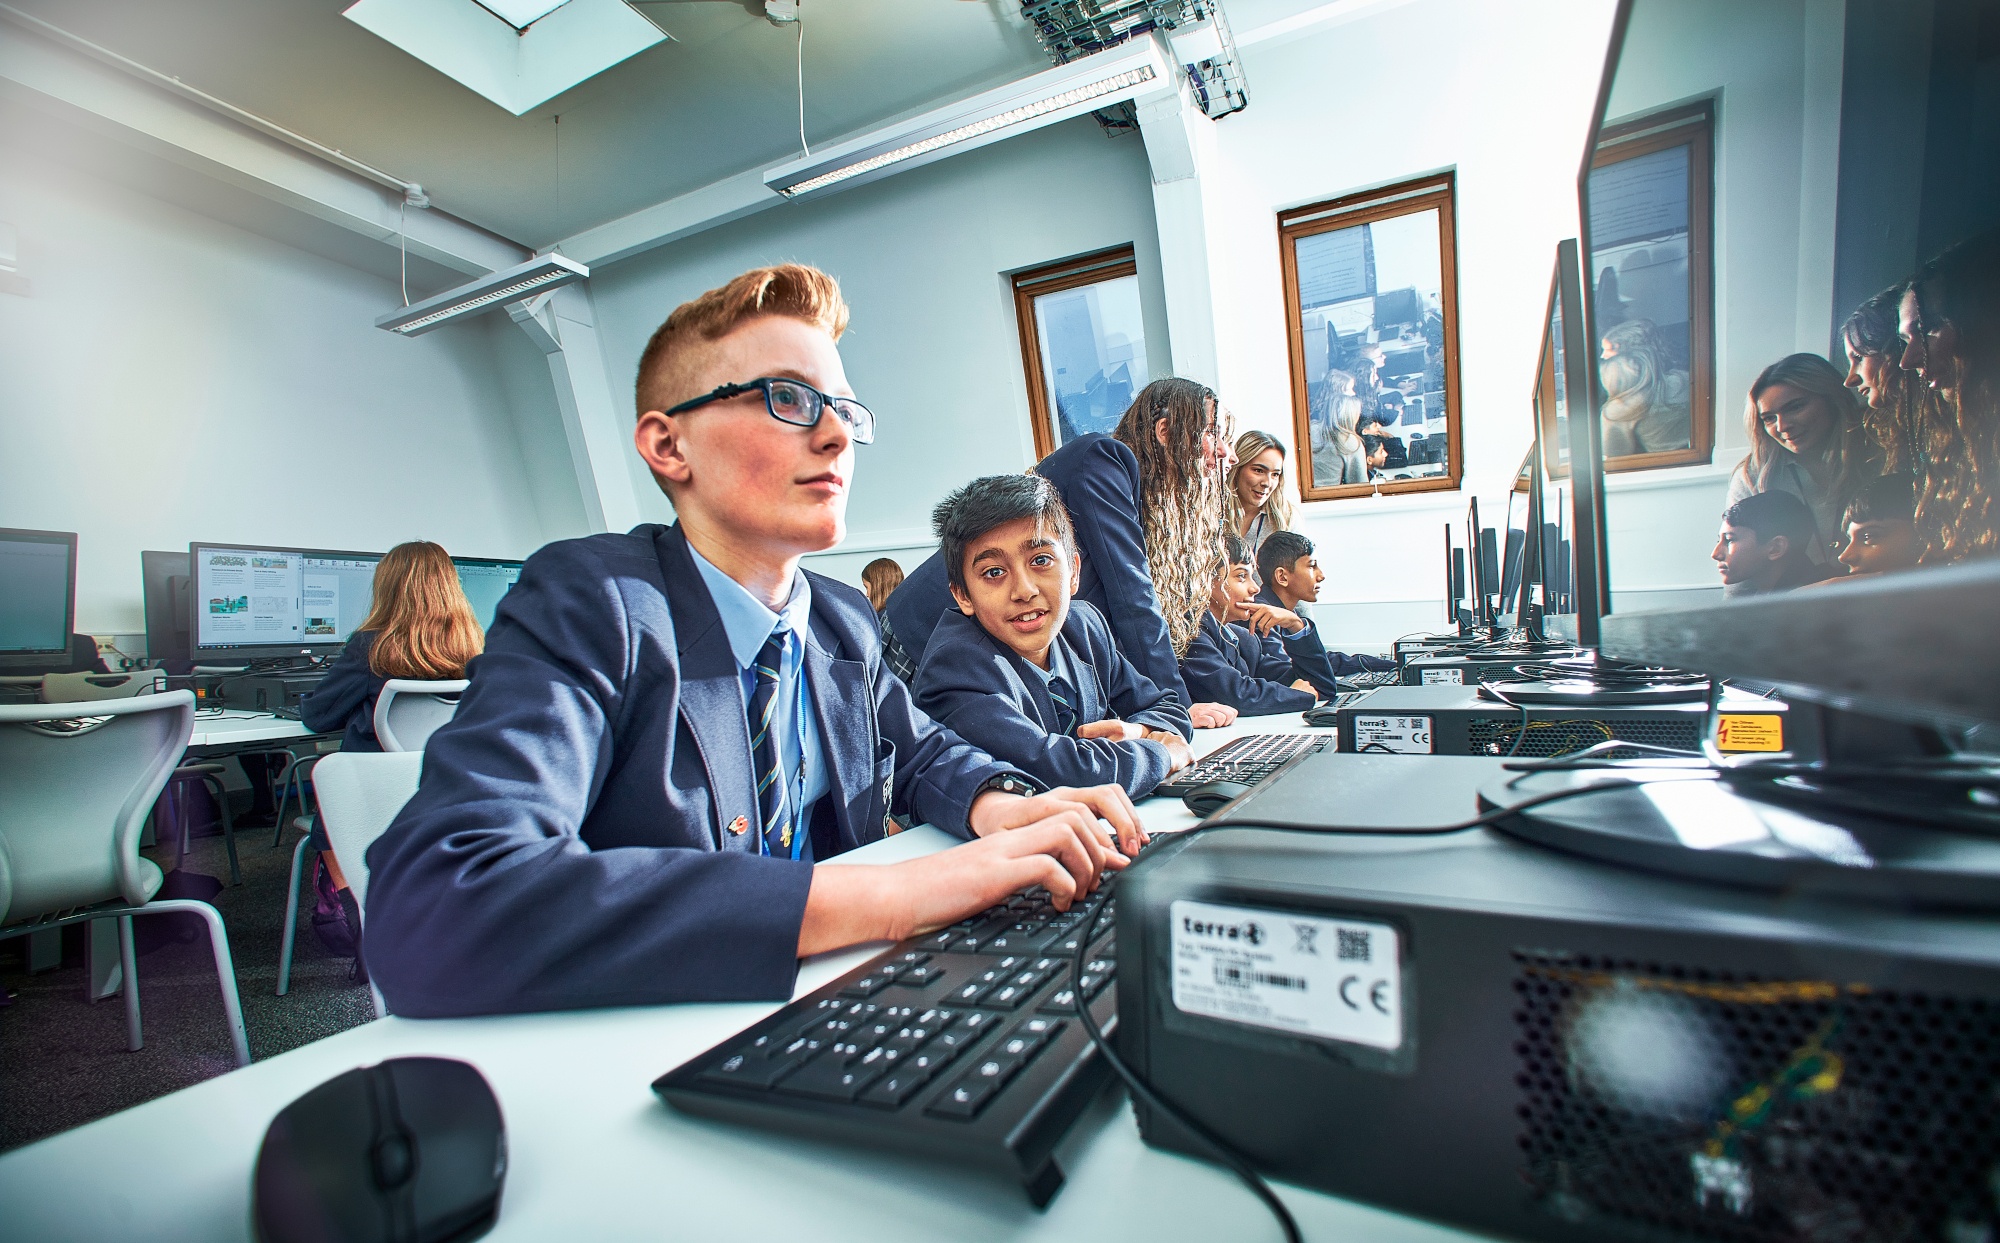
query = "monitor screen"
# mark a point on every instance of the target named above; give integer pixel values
(37, 591)
(278, 598)
(485, 581)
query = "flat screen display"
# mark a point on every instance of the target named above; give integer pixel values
(246, 598)
(484, 582)
(37, 591)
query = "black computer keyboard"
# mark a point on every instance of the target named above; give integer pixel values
(1247, 760)
(962, 1044)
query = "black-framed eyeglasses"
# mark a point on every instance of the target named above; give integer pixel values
(797, 403)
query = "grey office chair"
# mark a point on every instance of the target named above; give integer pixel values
(77, 783)
(407, 712)
(71, 688)
(359, 794)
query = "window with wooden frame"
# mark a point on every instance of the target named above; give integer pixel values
(1652, 224)
(1083, 344)
(1371, 314)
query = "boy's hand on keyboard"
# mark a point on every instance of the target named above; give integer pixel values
(1083, 808)
(1179, 754)
(1211, 716)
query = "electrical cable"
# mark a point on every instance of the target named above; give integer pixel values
(403, 237)
(800, 22)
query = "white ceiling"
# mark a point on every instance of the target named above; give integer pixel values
(718, 100)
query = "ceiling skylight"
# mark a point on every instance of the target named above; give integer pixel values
(536, 51)
(520, 14)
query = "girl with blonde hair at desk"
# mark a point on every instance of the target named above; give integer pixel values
(1256, 498)
(1339, 454)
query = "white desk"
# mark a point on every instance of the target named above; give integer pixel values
(596, 1156)
(236, 729)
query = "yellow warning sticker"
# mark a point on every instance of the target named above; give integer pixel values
(1743, 732)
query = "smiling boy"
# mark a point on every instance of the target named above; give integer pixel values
(670, 727)
(1025, 672)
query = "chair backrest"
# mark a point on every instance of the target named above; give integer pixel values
(359, 794)
(407, 711)
(74, 688)
(73, 803)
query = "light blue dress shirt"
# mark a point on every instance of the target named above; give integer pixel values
(748, 624)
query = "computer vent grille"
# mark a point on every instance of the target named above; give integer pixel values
(1731, 1107)
(1495, 735)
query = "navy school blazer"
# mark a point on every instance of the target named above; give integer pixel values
(1098, 478)
(1230, 665)
(345, 698)
(1304, 647)
(570, 844)
(979, 689)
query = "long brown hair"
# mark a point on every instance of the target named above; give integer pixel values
(1180, 497)
(1278, 507)
(1916, 429)
(423, 624)
(1850, 451)
(881, 576)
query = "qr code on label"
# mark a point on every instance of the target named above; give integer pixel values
(1353, 945)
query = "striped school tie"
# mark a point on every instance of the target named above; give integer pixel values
(1064, 699)
(777, 823)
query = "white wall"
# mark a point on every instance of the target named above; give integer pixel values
(173, 377)
(932, 349)
(1503, 95)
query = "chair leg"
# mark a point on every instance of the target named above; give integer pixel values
(215, 786)
(291, 916)
(225, 968)
(128, 959)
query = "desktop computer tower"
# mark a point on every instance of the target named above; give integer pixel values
(277, 693)
(1448, 668)
(1457, 720)
(1532, 1044)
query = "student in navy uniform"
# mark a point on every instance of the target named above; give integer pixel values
(1291, 577)
(1145, 502)
(1230, 662)
(1025, 673)
(669, 727)
(419, 625)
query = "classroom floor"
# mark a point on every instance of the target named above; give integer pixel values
(63, 1061)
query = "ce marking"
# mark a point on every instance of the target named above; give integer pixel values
(1376, 992)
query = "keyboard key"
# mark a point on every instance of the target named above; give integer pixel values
(940, 941)
(830, 1079)
(1007, 996)
(1062, 1001)
(891, 1091)
(868, 985)
(964, 1100)
(969, 994)
(746, 1071)
(919, 976)
(912, 958)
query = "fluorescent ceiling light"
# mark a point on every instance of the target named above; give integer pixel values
(508, 285)
(1057, 94)
(516, 66)
(521, 14)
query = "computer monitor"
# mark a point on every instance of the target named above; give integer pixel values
(164, 581)
(485, 580)
(257, 603)
(37, 598)
(1398, 306)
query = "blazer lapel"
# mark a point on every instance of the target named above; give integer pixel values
(711, 696)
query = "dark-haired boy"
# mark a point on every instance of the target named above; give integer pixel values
(1291, 577)
(1762, 546)
(1231, 664)
(1024, 672)
(1881, 527)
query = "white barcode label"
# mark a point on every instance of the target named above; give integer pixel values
(1444, 677)
(1336, 978)
(1405, 735)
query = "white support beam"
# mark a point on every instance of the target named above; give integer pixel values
(56, 80)
(1180, 146)
(714, 204)
(563, 325)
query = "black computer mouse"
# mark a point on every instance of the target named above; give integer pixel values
(409, 1151)
(1327, 713)
(1209, 797)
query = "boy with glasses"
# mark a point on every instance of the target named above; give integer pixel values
(669, 727)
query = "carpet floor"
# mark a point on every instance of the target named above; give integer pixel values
(63, 1060)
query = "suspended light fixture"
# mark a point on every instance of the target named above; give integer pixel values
(1057, 94)
(541, 273)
